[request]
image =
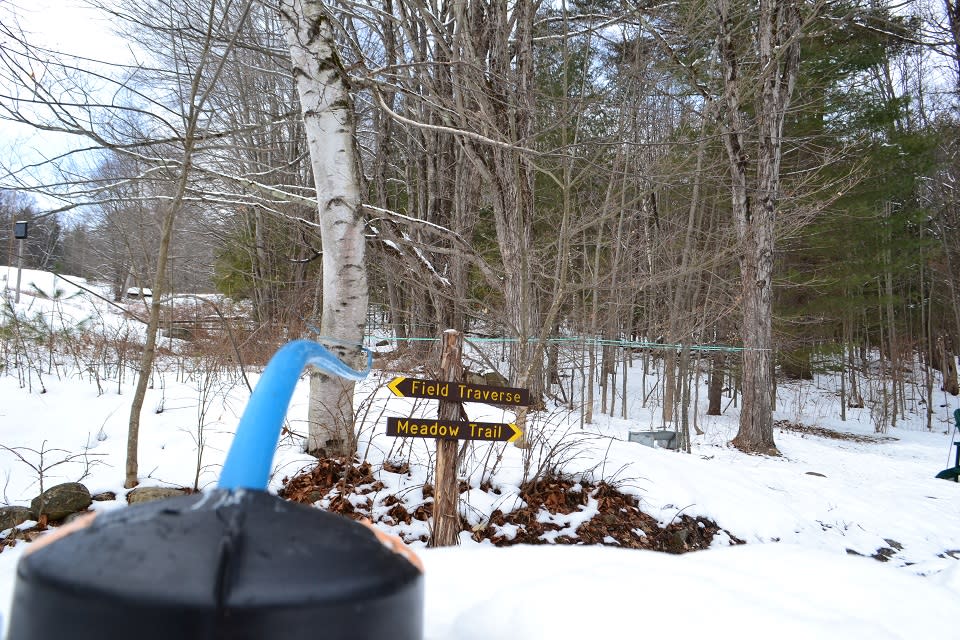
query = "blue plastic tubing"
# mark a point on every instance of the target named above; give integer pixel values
(251, 454)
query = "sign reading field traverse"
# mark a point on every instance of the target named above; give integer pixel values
(458, 391)
(453, 429)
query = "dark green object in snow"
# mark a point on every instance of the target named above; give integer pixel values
(953, 473)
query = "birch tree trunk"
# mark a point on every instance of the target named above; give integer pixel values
(321, 83)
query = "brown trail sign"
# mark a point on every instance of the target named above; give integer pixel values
(453, 429)
(458, 391)
(447, 428)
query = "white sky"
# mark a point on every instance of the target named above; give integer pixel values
(65, 25)
(69, 27)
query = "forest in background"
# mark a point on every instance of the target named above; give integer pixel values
(529, 171)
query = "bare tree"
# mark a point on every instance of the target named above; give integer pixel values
(197, 96)
(760, 56)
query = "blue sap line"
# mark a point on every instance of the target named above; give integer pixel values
(251, 454)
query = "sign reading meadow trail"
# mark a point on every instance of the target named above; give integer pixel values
(453, 429)
(458, 392)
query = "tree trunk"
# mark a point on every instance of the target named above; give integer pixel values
(696, 396)
(755, 188)
(669, 384)
(684, 394)
(892, 320)
(328, 121)
(588, 381)
(953, 17)
(715, 386)
(843, 382)
(196, 100)
(948, 364)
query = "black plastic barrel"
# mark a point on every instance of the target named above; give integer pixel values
(227, 564)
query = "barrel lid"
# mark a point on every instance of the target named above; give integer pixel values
(222, 549)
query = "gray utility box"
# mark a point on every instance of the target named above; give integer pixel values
(663, 438)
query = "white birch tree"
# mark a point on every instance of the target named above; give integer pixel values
(327, 109)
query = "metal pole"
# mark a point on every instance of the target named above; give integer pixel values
(16, 297)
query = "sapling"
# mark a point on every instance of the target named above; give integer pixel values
(362, 416)
(207, 378)
(41, 465)
(24, 336)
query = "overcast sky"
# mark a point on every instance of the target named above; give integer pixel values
(73, 29)
(65, 25)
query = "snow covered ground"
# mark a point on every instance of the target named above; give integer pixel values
(811, 518)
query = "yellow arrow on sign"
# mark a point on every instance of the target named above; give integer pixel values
(517, 432)
(393, 387)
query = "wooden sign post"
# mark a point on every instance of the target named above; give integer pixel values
(449, 428)
(446, 516)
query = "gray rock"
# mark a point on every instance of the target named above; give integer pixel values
(494, 379)
(471, 377)
(149, 494)
(106, 496)
(490, 378)
(180, 333)
(61, 500)
(13, 516)
(73, 516)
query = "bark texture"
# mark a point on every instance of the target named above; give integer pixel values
(948, 368)
(446, 515)
(327, 110)
(760, 61)
(715, 386)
